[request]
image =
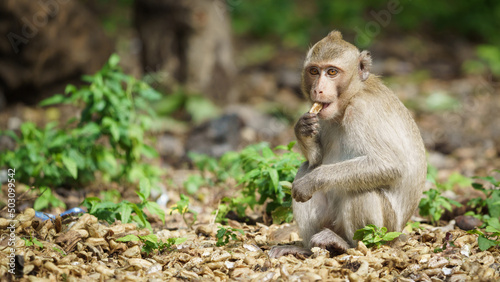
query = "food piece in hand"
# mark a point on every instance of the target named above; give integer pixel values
(316, 108)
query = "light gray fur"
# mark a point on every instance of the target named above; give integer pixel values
(367, 165)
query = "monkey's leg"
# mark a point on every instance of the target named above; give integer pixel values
(309, 215)
(278, 251)
(329, 240)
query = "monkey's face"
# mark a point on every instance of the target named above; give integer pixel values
(325, 82)
(334, 70)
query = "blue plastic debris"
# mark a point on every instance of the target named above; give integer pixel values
(44, 216)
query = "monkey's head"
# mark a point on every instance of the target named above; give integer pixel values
(334, 70)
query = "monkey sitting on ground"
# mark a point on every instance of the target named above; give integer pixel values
(366, 160)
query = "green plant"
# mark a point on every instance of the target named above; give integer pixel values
(484, 240)
(264, 175)
(196, 106)
(107, 137)
(434, 204)
(372, 235)
(59, 251)
(32, 241)
(182, 206)
(488, 58)
(109, 211)
(46, 199)
(111, 196)
(216, 172)
(228, 166)
(152, 243)
(225, 234)
(491, 201)
(267, 179)
(413, 225)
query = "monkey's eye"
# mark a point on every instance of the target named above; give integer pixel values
(313, 71)
(332, 71)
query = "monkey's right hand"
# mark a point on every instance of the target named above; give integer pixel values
(307, 126)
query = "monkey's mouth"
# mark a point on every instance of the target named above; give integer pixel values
(325, 105)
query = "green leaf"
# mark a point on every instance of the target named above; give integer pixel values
(494, 223)
(114, 60)
(492, 229)
(485, 243)
(145, 189)
(155, 209)
(128, 238)
(273, 173)
(70, 165)
(37, 243)
(200, 108)
(70, 89)
(125, 210)
(140, 215)
(179, 240)
(150, 238)
(193, 183)
(267, 153)
(56, 99)
(391, 236)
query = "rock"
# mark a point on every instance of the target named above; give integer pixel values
(216, 136)
(262, 127)
(191, 41)
(170, 147)
(467, 222)
(47, 44)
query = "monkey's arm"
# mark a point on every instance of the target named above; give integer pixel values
(360, 174)
(307, 133)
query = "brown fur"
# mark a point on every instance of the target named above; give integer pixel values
(365, 157)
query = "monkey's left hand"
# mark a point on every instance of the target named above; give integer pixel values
(303, 188)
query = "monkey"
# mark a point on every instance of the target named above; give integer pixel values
(365, 158)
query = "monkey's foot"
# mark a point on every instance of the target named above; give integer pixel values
(278, 251)
(329, 240)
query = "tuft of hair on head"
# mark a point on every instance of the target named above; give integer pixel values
(335, 34)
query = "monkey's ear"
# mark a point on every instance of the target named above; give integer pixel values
(365, 63)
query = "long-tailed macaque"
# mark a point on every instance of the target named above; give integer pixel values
(365, 157)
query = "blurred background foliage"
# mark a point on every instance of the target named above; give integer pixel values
(296, 24)
(300, 22)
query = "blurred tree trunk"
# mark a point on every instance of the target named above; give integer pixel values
(191, 41)
(48, 43)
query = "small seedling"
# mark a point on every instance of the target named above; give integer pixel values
(448, 243)
(152, 243)
(110, 212)
(182, 206)
(372, 235)
(32, 241)
(225, 234)
(59, 251)
(47, 199)
(434, 204)
(492, 197)
(414, 225)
